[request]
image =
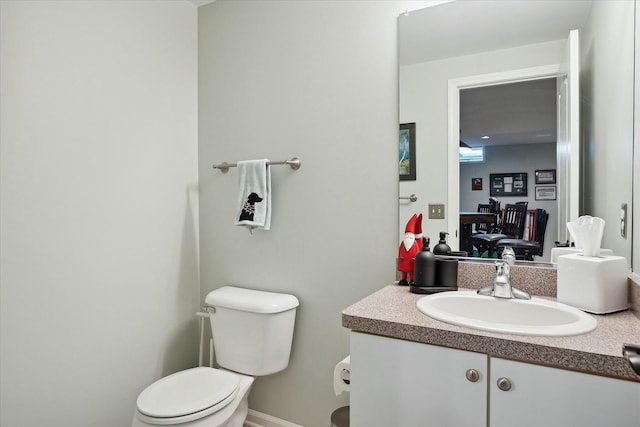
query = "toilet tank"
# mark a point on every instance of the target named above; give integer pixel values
(252, 330)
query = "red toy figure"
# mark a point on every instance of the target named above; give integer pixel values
(407, 252)
(419, 232)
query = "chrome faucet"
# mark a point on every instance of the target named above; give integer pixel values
(501, 287)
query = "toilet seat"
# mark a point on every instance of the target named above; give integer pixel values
(187, 395)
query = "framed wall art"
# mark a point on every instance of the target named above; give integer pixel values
(407, 163)
(547, 176)
(476, 184)
(508, 184)
(546, 192)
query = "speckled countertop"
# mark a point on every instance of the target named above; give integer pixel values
(392, 312)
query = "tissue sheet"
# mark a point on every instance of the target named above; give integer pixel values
(587, 233)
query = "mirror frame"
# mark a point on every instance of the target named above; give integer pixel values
(454, 87)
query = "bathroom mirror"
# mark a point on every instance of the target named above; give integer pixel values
(468, 41)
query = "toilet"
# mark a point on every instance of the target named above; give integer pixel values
(252, 334)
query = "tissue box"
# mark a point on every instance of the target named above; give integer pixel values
(594, 284)
(556, 252)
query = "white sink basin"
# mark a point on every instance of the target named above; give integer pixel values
(536, 316)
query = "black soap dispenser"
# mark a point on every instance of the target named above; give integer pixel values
(432, 273)
(424, 273)
(442, 248)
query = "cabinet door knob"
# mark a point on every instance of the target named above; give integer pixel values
(472, 375)
(504, 384)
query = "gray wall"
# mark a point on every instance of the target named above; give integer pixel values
(510, 159)
(99, 246)
(606, 113)
(317, 80)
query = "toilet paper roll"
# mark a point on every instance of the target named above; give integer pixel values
(342, 376)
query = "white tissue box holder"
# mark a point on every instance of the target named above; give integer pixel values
(558, 251)
(593, 284)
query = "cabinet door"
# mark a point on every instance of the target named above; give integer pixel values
(542, 396)
(397, 383)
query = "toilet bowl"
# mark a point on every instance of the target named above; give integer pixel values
(252, 333)
(196, 397)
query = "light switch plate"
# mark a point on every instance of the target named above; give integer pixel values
(436, 211)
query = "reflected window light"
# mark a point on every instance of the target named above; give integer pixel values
(471, 154)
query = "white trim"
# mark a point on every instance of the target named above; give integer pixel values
(454, 86)
(258, 419)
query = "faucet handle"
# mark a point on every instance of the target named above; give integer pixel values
(508, 255)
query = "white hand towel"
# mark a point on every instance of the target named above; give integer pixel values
(254, 194)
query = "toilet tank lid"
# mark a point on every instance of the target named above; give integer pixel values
(251, 300)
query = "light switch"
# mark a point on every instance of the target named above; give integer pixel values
(436, 211)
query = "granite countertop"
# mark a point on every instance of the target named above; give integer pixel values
(392, 312)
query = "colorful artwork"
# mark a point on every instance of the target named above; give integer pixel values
(407, 155)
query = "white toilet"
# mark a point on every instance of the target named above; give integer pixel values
(252, 333)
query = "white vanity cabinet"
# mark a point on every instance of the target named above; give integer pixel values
(397, 383)
(525, 395)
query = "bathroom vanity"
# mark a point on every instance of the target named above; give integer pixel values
(408, 370)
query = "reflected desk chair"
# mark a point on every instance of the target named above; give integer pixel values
(511, 226)
(483, 227)
(527, 249)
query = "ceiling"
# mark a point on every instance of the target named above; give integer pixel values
(517, 113)
(514, 113)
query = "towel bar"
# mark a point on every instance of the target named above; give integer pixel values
(411, 198)
(294, 163)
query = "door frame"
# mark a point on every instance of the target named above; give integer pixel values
(453, 92)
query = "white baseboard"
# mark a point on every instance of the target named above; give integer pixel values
(258, 419)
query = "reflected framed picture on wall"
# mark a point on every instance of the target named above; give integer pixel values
(547, 176)
(508, 184)
(407, 158)
(476, 184)
(546, 192)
